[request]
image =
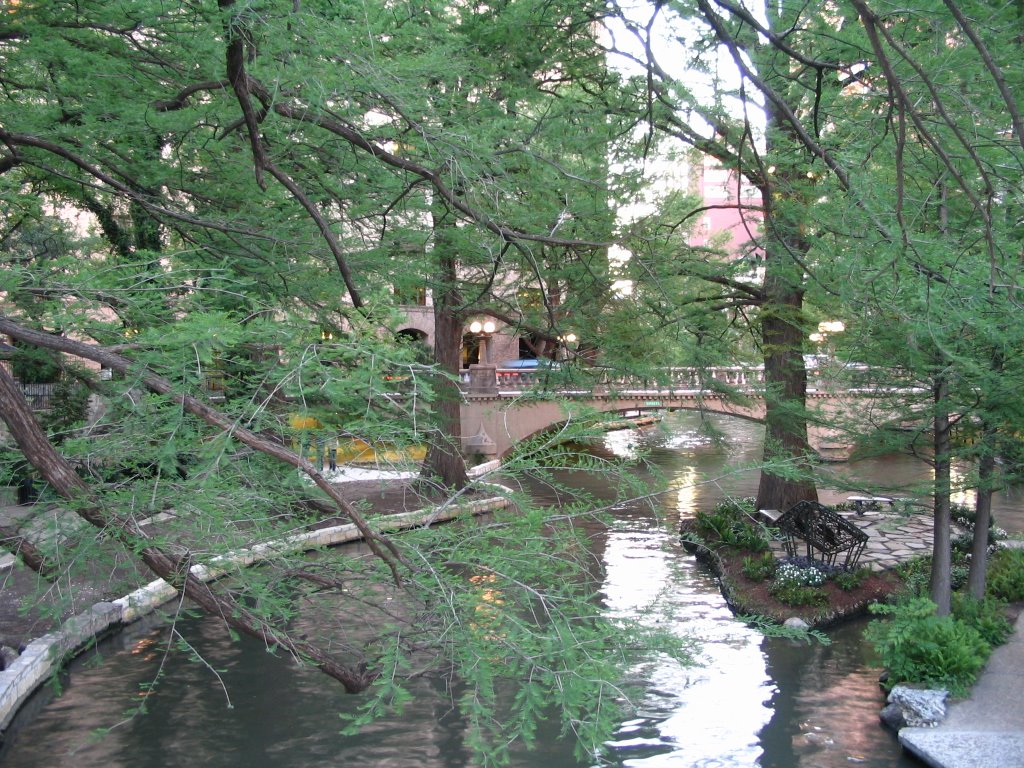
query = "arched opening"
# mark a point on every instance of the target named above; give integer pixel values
(471, 349)
(419, 342)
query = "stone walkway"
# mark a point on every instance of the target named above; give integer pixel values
(893, 537)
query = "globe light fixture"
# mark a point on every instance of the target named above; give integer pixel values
(483, 329)
(831, 326)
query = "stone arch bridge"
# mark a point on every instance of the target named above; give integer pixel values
(502, 407)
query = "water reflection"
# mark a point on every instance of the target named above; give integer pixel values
(750, 701)
(825, 704)
(708, 714)
(909, 477)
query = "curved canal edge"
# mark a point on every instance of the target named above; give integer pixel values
(747, 599)
(46, 656)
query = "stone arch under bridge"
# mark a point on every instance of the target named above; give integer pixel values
(493, 425)
(504, 407)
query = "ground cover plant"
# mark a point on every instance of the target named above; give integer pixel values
(917, 646)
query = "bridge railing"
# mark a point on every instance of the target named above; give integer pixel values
(821, 377)
(487, 379)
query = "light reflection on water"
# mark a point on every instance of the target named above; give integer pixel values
(708, 714)
(751, 701)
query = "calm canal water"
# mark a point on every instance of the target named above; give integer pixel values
(753, 701)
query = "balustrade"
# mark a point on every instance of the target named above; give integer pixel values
(673, 379)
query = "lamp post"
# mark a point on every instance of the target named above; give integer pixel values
(825, 329)
(482, 329)
(568, 344)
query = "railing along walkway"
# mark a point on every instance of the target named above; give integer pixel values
(477, 379)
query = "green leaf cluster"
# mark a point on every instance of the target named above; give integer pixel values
(917, 646)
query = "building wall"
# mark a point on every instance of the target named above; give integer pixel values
(733, 219)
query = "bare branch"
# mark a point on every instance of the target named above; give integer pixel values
(180, 99)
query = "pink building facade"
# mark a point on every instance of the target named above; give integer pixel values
(731, 218)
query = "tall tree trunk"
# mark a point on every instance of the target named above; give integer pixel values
(782, 338)
(785, 440)
(978, 575)
(444, 463)
(941, 576)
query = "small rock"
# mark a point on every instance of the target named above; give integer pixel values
(914, 708)
(796, 622)
(8, 656)
(892, 717)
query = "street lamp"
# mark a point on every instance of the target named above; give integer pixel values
(482, 329)
(569, 343)
(827, 328)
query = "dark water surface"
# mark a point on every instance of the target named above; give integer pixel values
(753, 701)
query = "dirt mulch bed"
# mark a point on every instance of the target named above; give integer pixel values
(751, 597)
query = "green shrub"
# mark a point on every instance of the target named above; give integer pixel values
(958, 574)
(851, 580)
(917, 646)
(752, 538)
(730, 525)
(1005, 578)
(916, 574)
(760, 568)
(987, 616)
(788, 593)
(737, 507)
(965, 518)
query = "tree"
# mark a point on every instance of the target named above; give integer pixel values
(244, 173)
(883, 199)
(772, 158)
(955, 226)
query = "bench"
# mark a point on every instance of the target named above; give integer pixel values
(861, 504)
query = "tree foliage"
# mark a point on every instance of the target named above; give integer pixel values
(885, 144)
(244, 193)
(232, 199)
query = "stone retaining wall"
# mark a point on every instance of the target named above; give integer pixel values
(45, 656)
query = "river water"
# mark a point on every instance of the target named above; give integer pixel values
(752, 701)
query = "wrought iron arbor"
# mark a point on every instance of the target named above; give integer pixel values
(826, 537)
